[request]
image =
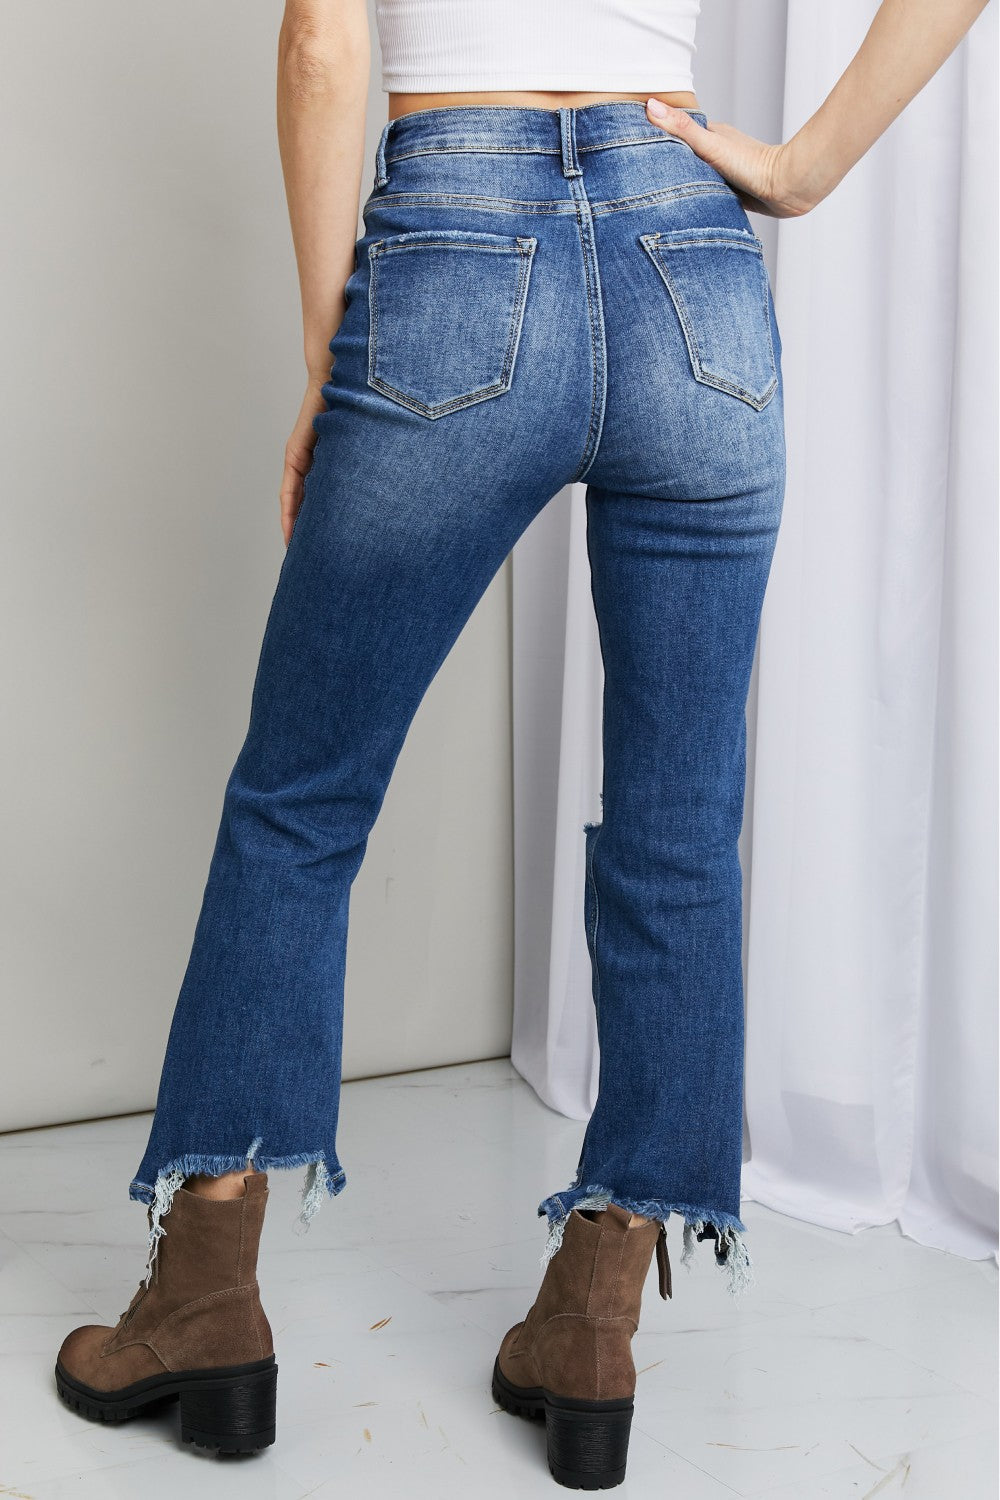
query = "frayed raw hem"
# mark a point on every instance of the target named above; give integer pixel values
(319, 1184)
(731, 1251)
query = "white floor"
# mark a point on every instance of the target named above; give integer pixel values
(860, 1366)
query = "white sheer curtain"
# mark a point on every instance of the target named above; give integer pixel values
(869, 846)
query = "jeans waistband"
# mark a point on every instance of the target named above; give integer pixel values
(568, 132)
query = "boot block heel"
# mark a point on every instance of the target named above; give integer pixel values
(234, 1413)
(587, 1442)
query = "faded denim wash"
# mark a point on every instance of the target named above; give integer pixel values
(540, 297)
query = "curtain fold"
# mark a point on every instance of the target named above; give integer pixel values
(871, 967)
(871, 836)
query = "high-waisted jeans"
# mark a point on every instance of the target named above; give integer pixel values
(540, 297)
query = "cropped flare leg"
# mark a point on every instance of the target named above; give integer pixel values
(540, 297)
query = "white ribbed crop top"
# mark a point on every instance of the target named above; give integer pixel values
(445, 46)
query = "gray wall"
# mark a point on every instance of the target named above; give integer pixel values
(151, 372)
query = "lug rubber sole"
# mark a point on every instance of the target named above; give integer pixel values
(586, 1441)
(230, 1408)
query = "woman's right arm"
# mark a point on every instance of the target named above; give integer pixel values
(904, 46)
(324, 61)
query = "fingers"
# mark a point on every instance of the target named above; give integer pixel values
(676, 121)
(748, 165)
(298, 459)
(286, 519)
(709, 144)
(289, 498)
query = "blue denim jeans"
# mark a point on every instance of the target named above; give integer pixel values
(540, 297)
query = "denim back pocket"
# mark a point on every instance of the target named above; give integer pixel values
(718, 283)
(446, 309)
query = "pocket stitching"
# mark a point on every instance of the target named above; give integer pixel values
(523, 245)
(734, 239)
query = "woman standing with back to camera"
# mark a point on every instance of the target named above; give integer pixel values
(557, 283)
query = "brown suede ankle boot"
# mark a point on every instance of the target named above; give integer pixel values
(570, 1360)
(197, 1331)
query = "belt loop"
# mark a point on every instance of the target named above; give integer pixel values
(381, 171)
(567, 136)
